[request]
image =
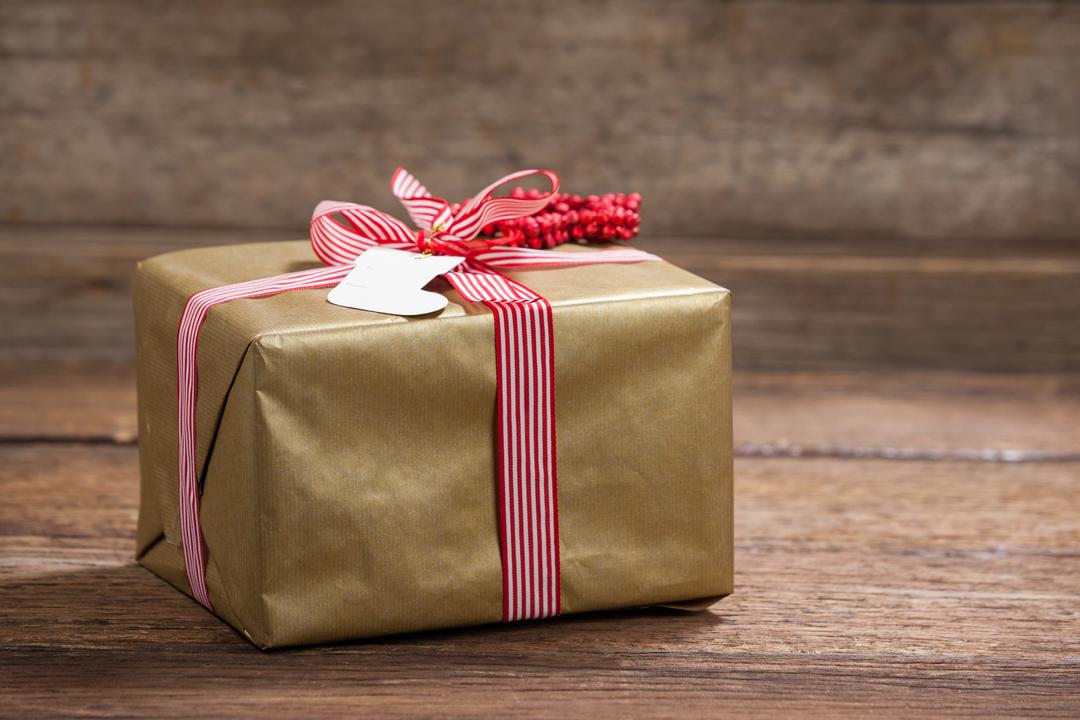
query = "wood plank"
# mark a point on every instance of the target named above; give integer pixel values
(966, 313)
(68, 401)
(863, 588)
(65, 293)
(942, 121)
(939, 415)
(1011, 418)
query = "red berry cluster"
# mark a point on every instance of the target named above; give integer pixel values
(595, 218)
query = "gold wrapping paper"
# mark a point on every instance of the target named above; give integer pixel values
(349, 460)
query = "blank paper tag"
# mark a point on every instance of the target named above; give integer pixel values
(391, 281)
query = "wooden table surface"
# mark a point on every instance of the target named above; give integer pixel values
(906, 543)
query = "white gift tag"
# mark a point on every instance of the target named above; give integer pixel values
(391, 281)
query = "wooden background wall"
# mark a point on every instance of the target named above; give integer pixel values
(886, 183)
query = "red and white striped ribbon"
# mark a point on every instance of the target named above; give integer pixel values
(525, 363)
(525, 427)
(198, 305)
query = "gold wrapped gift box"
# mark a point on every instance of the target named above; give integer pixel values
(348, 458)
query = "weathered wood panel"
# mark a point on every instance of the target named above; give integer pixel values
(71, 401)
(1010, 418)
(915, 122)
(864, 588)
(946, 416)
(955, 313)
(64, 293)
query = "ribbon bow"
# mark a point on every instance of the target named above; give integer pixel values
(443, 231)
(524, 354)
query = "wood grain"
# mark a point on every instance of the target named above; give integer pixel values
(65, 293)
(864, 588)
(947, 122)
(68, 402)
(835, 312)
(995, 418)
(1004, 418)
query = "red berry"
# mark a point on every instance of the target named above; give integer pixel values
(566, 218)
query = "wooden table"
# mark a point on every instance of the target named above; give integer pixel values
(906, 543)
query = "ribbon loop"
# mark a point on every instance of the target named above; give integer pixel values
(341, 244)
(432, 213)
(426, 211)
(483, 209)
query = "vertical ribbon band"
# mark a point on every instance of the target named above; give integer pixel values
(187, 341)
(524, 354)
(525, 425)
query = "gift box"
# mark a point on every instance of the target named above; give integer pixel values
(347, 462)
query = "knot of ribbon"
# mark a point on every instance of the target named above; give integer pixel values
(524, 397)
